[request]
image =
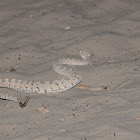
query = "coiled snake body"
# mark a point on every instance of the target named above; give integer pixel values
(72, 79)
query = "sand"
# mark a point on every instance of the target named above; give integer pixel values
(34, 34)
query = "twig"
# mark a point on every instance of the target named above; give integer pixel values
(22, 105)
(103, 88)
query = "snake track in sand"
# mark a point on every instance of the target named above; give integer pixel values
(72, 79)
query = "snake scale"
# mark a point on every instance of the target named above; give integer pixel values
(73, 77)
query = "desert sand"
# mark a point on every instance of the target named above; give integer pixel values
(34, 34)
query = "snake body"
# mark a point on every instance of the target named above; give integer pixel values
(72, 79)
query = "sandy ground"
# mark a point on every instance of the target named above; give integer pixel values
(36, 33)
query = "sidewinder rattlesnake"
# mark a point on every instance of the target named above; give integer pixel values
(72, 79)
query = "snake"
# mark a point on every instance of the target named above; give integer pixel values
(72, 78)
